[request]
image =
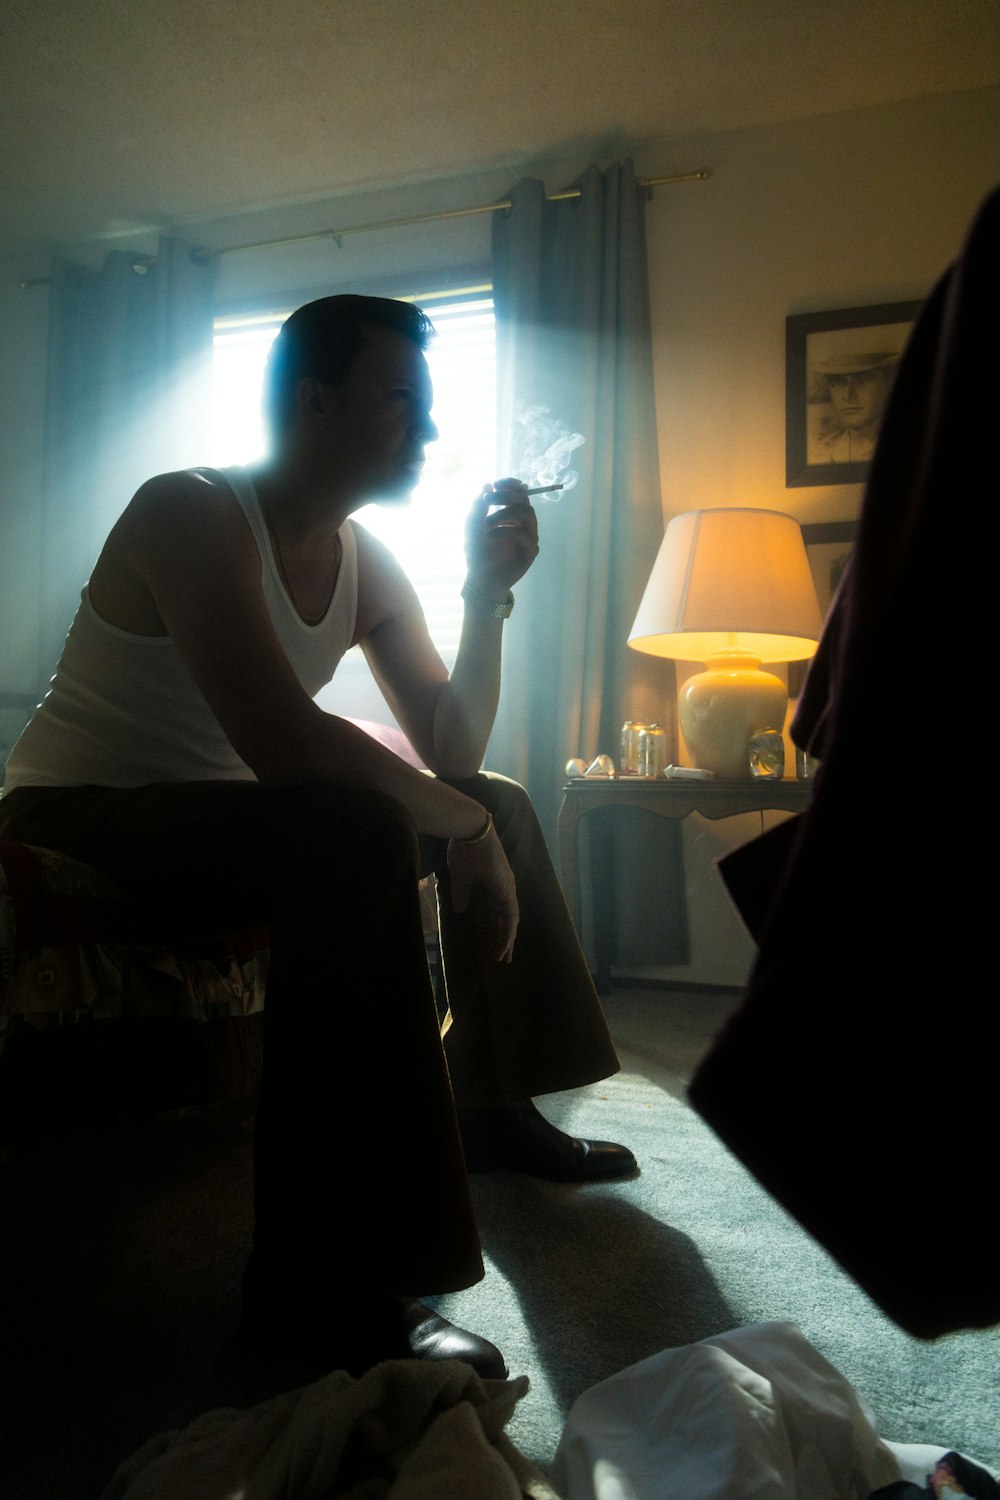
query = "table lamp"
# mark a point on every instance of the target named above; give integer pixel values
(731, 588)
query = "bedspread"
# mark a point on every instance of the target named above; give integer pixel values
(73, 960)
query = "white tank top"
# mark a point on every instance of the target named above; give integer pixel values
(123, 709)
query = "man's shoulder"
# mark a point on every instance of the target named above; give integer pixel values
(183, 484)
(192, 506)
(377, 563)
(191, 495)
(384, 591)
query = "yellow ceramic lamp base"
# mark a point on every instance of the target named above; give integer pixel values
(724, 706)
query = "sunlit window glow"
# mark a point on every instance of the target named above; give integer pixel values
(427, 534)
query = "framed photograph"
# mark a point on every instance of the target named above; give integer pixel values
(839, 369)
(829, 544)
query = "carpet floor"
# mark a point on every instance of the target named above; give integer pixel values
(121, 1253)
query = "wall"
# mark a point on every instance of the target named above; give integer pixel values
(836, 211)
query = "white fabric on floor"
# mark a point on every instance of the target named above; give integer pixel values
(408, 1429)
(754, 1414)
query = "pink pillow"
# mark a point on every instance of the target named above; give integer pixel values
(392, 738)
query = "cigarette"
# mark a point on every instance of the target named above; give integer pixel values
(544, 489)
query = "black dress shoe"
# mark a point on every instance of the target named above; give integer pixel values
(517, 1138)
(429, 1336)
(287, 1314)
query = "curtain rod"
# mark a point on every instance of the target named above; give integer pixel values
(447, 213)
(336, 235)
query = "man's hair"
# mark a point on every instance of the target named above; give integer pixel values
(324, 338)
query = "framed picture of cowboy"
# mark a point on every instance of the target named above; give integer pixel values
(839, 369)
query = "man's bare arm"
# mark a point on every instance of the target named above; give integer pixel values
(501, 543)
(448, 717)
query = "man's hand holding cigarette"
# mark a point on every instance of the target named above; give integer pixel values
(501, 538)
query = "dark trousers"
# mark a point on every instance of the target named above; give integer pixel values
(359, 1171)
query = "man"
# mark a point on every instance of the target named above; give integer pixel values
(180, 749)
(858, 388)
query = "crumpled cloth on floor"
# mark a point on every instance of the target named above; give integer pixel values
(753, 1414)
(406, 1429)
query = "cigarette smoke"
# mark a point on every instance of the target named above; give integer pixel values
(545, 448)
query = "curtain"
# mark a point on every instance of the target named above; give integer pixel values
(574, 348)
(128, 396)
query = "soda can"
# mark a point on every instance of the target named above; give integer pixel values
(628, 760)
(652, 747)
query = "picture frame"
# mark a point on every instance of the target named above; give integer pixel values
(839, 368)
(829, 545)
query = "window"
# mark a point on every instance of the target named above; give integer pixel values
(427, 535)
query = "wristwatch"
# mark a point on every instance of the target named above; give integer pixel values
(483, 605)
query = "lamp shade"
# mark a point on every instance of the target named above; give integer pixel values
(729, 578)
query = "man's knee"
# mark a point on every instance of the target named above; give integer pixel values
(507, 800)
(493, 790)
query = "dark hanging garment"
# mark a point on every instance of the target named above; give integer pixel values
(859, 1079)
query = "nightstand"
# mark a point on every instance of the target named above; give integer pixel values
(664, 798)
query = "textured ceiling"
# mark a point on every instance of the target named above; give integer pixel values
(117, 115)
